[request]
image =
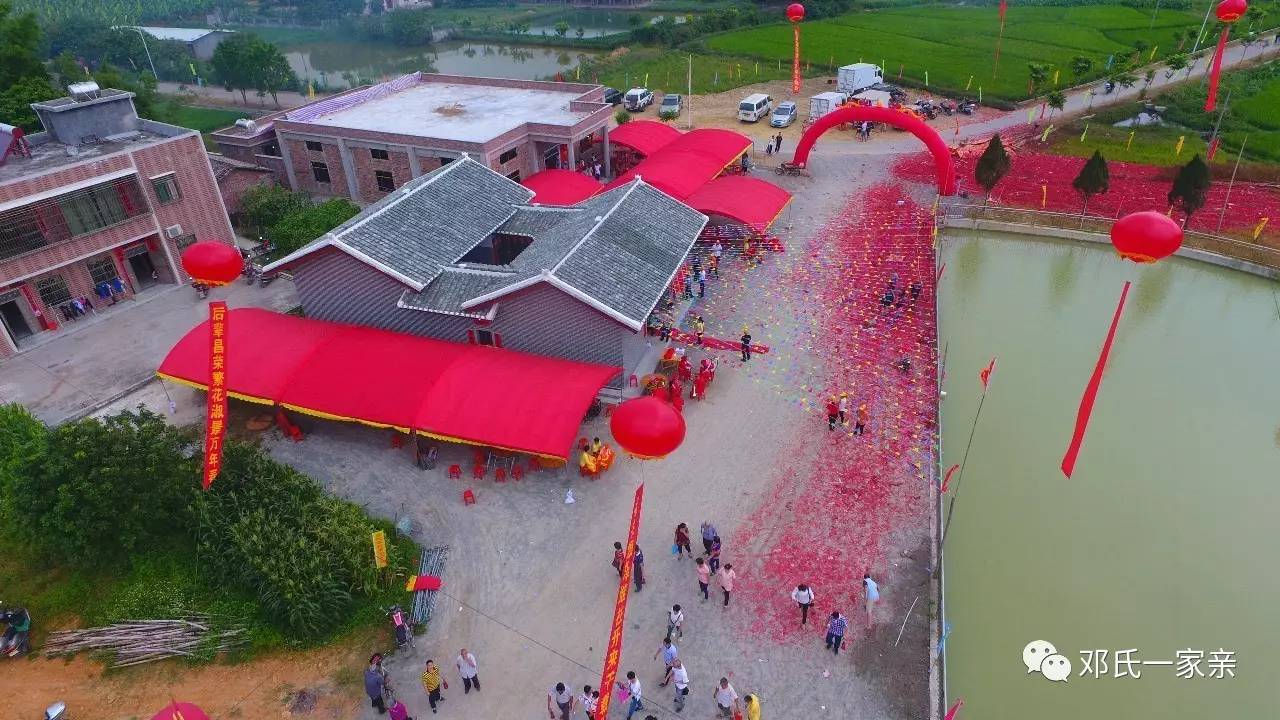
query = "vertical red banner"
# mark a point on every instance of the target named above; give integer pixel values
(795, 65)
(613, 652)
(215, 425)
(1091, 390)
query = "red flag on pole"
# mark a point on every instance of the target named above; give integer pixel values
(955, 709)
(985, 375)
(1091, 390)
(1004, 8)
(946, 481)
(613, 652)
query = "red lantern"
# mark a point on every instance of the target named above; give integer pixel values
(1146, 237)
(212, 263)
(1229, 11)
(795, 12)
(647, 427)
(180, 711)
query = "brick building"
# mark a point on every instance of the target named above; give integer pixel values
(364, 143)
(235, 177)
(100, 209)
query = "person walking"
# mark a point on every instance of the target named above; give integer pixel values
(752, 705)
(634, 691)
(680, 676)
(835, 631)
(675, 622)
(699, 327)
(704, 578)
(637, 568)
(833, 413)
(397, 711)
(669, 652)
(682, 541)
(563, 699)
(618, 555)
(708, 533)
(843, 406)
(589, 702)
(726, 698)
(702, 282)
(726, 582)
(375, 682)
(746, 343)
(777, 143)
(432, 682)
(714, 560)
(871, 595)
(467, 670)
(717, 252)
(860, 423)
(803, 595)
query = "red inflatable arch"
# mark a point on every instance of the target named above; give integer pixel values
(906, 121)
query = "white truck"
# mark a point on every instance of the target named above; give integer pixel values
(873, 98)
(853, 79)
(823, 103)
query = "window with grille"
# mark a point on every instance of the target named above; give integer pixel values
(514, 175)
(509, 155)
(53, 290)
(386, 183)
(185, 241)
(378, 154)
(102, 270)
(313, 145)
(102, 206)
(320, 171)
(166, 188)
(19, 233)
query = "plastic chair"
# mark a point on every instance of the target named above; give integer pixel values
(468, 497)
(633, 381)
(499, 475)
(478, 471)
(517, 472)
(478, 457)
(455, 472)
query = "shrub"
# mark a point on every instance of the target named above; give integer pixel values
(622, 116)
(305, 224)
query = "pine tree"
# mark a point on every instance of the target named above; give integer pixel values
(1094, 179)
(992, 166)
(1191, 188)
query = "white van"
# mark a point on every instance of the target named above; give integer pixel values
(754, 107)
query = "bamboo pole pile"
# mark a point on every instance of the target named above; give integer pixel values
(424, 601)
(143, 641)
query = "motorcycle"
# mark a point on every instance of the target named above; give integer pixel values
(967, 107)
(947, 107)
(17, 633)
(1108, 88)
(401, 626)
(202, 290)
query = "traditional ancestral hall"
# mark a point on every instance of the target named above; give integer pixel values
(461, 254)
(367, 142)
(96, 209)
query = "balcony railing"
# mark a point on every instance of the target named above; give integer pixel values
(55, 220)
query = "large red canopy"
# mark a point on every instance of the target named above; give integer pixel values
(738, 197)
(561, 187)
(644, 136)
(687, 163)
(452, 391)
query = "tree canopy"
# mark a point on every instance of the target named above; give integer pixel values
(993, 165)
(246, 62)
(23, 78)
(1191, 188)
(1094, 179)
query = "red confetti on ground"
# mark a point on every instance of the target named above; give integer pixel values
(709, 343)
(1134, 187)
(830, 519)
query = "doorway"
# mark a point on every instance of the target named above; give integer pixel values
(14, 321)
(143, 270)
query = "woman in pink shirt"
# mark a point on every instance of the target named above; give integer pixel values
(704, 578)
(727, 576)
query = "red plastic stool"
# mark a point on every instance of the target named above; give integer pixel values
(517, 473)
(499, 475)
(468, 497)
(633, 381)
(397, 440)
(455, 472)
(477, 472)
(534, 466)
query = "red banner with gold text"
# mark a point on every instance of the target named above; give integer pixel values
(215, 425)
(614, 651)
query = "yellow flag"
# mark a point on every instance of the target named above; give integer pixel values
(926, 78)
(757, 69)
(979, 93)
(577, 73)
(1031, 114)
(1044, 195)
(646, 79)
(1055, 77)
(1153, 53)
(1084, 132)
(969, 84)
(1177, 149)
(380, 549)
(1045, 135)
(1258, 229)
(1129, 142)
(311, 90)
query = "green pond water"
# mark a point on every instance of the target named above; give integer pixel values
(1165, 537)
(337, 63)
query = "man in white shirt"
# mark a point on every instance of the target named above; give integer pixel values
(467, 669)
(633, 687)
(680, 677)
(726, 698)
(563, 698)
(803, 595)
(872, 590)
(675, 623)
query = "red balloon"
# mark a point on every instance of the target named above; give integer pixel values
(795, 12)
(1146, 236)
(1229, 11)
(212, 263)
(180, 711)
(647, 427)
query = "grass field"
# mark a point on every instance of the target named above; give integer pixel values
(953, 44)
(198, 118)
(667, 71)
(1150, 146)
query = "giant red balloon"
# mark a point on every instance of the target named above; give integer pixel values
(795, 12)
(180, 711)
(1229, 11)
(1146, 236)
(647, 427)
(212, 263)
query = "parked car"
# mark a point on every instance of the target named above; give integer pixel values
(784, 115)
(637, 99)
(671, 104)
(754, 107)
(613, 97)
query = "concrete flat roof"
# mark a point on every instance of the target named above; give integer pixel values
(463, 113)
(49, 155)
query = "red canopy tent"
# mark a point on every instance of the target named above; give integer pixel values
(561, 187)
(180, 711)
(688, 162)
(745, 199)
(452, 391)
(644, 136)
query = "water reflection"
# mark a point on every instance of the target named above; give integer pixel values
(339, 64)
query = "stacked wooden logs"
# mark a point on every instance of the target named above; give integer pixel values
(143, 641)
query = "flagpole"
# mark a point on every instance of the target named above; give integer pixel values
(1223, 213)
(952, 505)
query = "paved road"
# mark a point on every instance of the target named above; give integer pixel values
(219, 96)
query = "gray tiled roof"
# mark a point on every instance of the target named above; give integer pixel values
(450, 289)
(434, 220)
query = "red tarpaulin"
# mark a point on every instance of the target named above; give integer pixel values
(744, 199)
(644, 136)
(690, 161)
(561, 187)
(465, 393)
